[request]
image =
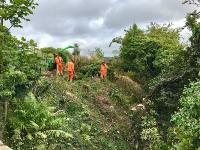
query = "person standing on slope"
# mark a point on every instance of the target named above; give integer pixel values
(59, 61)
(70, 70)
(103, 70)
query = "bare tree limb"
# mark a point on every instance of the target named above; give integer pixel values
(10, 27)
(185, 76)
(192, 2)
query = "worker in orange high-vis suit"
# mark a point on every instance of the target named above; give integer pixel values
(59, 67)
(70, 70)
(103, 70)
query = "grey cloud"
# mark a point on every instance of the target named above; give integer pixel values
(71, 17)
(93, 23)
(142, 11)
(71, 8)
(67, 17)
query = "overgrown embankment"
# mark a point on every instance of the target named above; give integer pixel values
(84, 114)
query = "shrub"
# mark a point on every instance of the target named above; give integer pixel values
(187, 126)
(35, 124)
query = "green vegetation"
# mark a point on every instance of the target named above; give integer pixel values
(186, 120)
(70, 116)
(150, 101)
(15, 11)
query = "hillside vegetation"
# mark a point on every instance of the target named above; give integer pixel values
(150, 100)
(86, 114)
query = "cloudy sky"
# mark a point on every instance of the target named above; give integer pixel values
(94, 23)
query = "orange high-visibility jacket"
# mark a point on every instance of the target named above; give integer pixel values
(103, 68)
(70, 66)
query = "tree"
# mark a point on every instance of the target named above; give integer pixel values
(165, 100)
(153, 52)
(194, 51)
(132, 50)
(19, 66)
(14, 11)
(170, 50)
(99, 53)
(76, 53)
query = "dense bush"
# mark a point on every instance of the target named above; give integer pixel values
(163, 100)
(20, 64)
(91, 70)
(187, 118)
(151, 53)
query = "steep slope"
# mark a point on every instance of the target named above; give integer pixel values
(98, 112)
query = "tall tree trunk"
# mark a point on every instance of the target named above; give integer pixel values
(1, 21)
(5, 111)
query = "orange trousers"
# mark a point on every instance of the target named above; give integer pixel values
(59, 69)
(103, 75)
(70, 75)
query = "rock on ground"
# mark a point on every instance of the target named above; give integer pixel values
(4, 147)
